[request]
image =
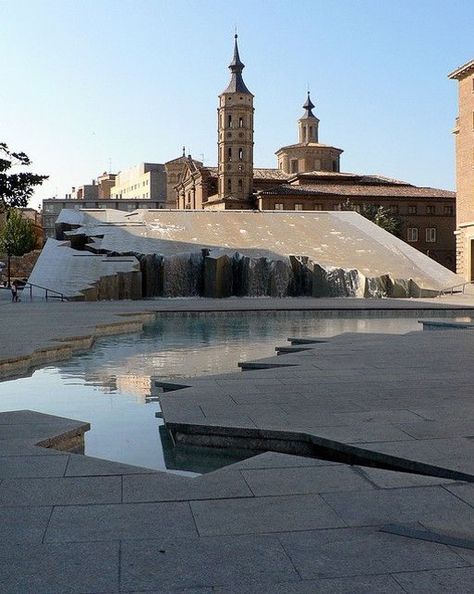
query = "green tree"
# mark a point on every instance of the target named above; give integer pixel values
(381, 216)
(17, 236)
(16, 188)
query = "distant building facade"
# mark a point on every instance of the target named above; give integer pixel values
(142, 186)
(145, 181)
(308, 177)
(464, 134)
(53, 206)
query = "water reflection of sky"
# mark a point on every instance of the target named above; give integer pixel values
(109, 385)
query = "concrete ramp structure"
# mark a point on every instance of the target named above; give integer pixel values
(108, 254)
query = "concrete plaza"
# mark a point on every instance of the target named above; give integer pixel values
(283, 521)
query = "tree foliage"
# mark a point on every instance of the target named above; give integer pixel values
(381, 216)
(17, 236)
(16, 188)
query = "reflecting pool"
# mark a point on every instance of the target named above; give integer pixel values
(110, 386)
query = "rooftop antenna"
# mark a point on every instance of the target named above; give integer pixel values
(184, 151)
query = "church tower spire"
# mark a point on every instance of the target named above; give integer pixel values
(308, 124)
(308, 155)
(235, 138)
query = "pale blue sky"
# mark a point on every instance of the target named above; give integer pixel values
(86, 82)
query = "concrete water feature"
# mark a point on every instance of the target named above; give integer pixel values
(102, 254)
(272, 523)
(114, 385)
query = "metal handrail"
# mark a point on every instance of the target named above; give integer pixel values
(46, 290)
(451, 290)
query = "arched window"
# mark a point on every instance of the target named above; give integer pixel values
(241, 154)
(241, 184)
(229, 121)
(241, 122)
(229, 185)
(229, 153)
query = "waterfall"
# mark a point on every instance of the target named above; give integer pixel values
(182, 275)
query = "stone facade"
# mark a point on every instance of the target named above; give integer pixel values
(464, 134)
(174, 171)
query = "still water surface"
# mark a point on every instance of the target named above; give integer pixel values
(110, 386)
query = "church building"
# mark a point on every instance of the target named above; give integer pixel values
(308, 177)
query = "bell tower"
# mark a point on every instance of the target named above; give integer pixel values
(308, 155)
(308, 123)
(235, 139)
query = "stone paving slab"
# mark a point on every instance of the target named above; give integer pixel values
(61, 491)
(23, 447)
(24, 524)
(446, 581)
(352, 585)
(263, 515)
(304, 480)
(211, 562)
(366, 508)
(362, 551)
(171, 487)
(277, 460)
(72, 568)
(33, 466)
(392, 480)
(75, 523)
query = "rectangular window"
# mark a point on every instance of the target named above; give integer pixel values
(412, 234)
(431, 210)
(430, 235)
(278, 206)
(317, 207)
(412, 209)
(448, 210)
(294, 166)
(394, 208)
(298, 207)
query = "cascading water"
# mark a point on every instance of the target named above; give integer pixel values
(182, 275)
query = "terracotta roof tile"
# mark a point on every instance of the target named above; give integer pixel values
(362, 190)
